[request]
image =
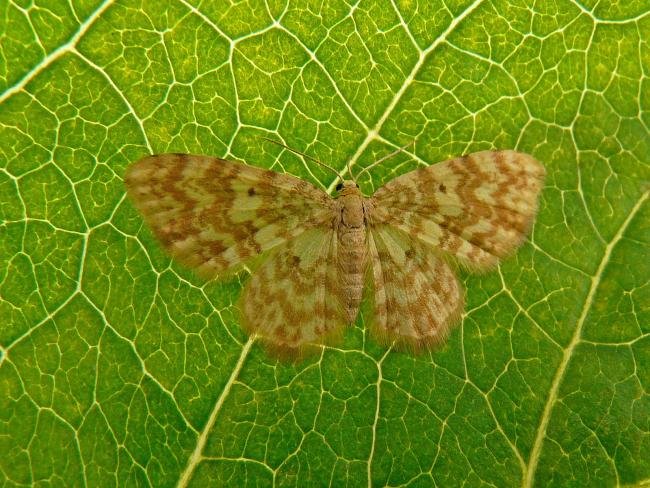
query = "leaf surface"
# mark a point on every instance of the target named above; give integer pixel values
(118, 367)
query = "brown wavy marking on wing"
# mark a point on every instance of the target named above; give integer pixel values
(477, 208)
(417, 298)
(294, 299)
(212, 214)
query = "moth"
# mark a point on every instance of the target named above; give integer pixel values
(312, 254)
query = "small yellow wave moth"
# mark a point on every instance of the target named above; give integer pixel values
(314, 253)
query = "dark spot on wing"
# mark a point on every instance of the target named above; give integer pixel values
(181, 158)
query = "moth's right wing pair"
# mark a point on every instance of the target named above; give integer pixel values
(215, 215)
(475, 209)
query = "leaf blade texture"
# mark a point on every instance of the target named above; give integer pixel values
(119, 368)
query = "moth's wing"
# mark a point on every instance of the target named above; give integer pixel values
(477, 208)
(212, 214)
(416, 295)
(294, 298)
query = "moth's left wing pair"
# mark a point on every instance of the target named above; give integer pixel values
(475, 209)
(215, 215)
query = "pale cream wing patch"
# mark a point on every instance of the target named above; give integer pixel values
(417, 298)
(477, 208)
(212, 214)
(294, 298)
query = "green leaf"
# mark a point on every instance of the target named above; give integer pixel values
(119, 368)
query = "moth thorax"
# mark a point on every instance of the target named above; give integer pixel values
(352, 210)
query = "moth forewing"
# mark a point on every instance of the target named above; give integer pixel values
(477, 208)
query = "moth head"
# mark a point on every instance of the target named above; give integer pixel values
(347, 187)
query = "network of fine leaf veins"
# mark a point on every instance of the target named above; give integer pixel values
(357, 140)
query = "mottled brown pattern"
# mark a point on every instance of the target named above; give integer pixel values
(484, 213)
(294, 298)
(416, 296)
(215, 215)
(202, 211)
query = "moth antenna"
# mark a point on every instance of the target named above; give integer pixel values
(381, 160)
(305, 156)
